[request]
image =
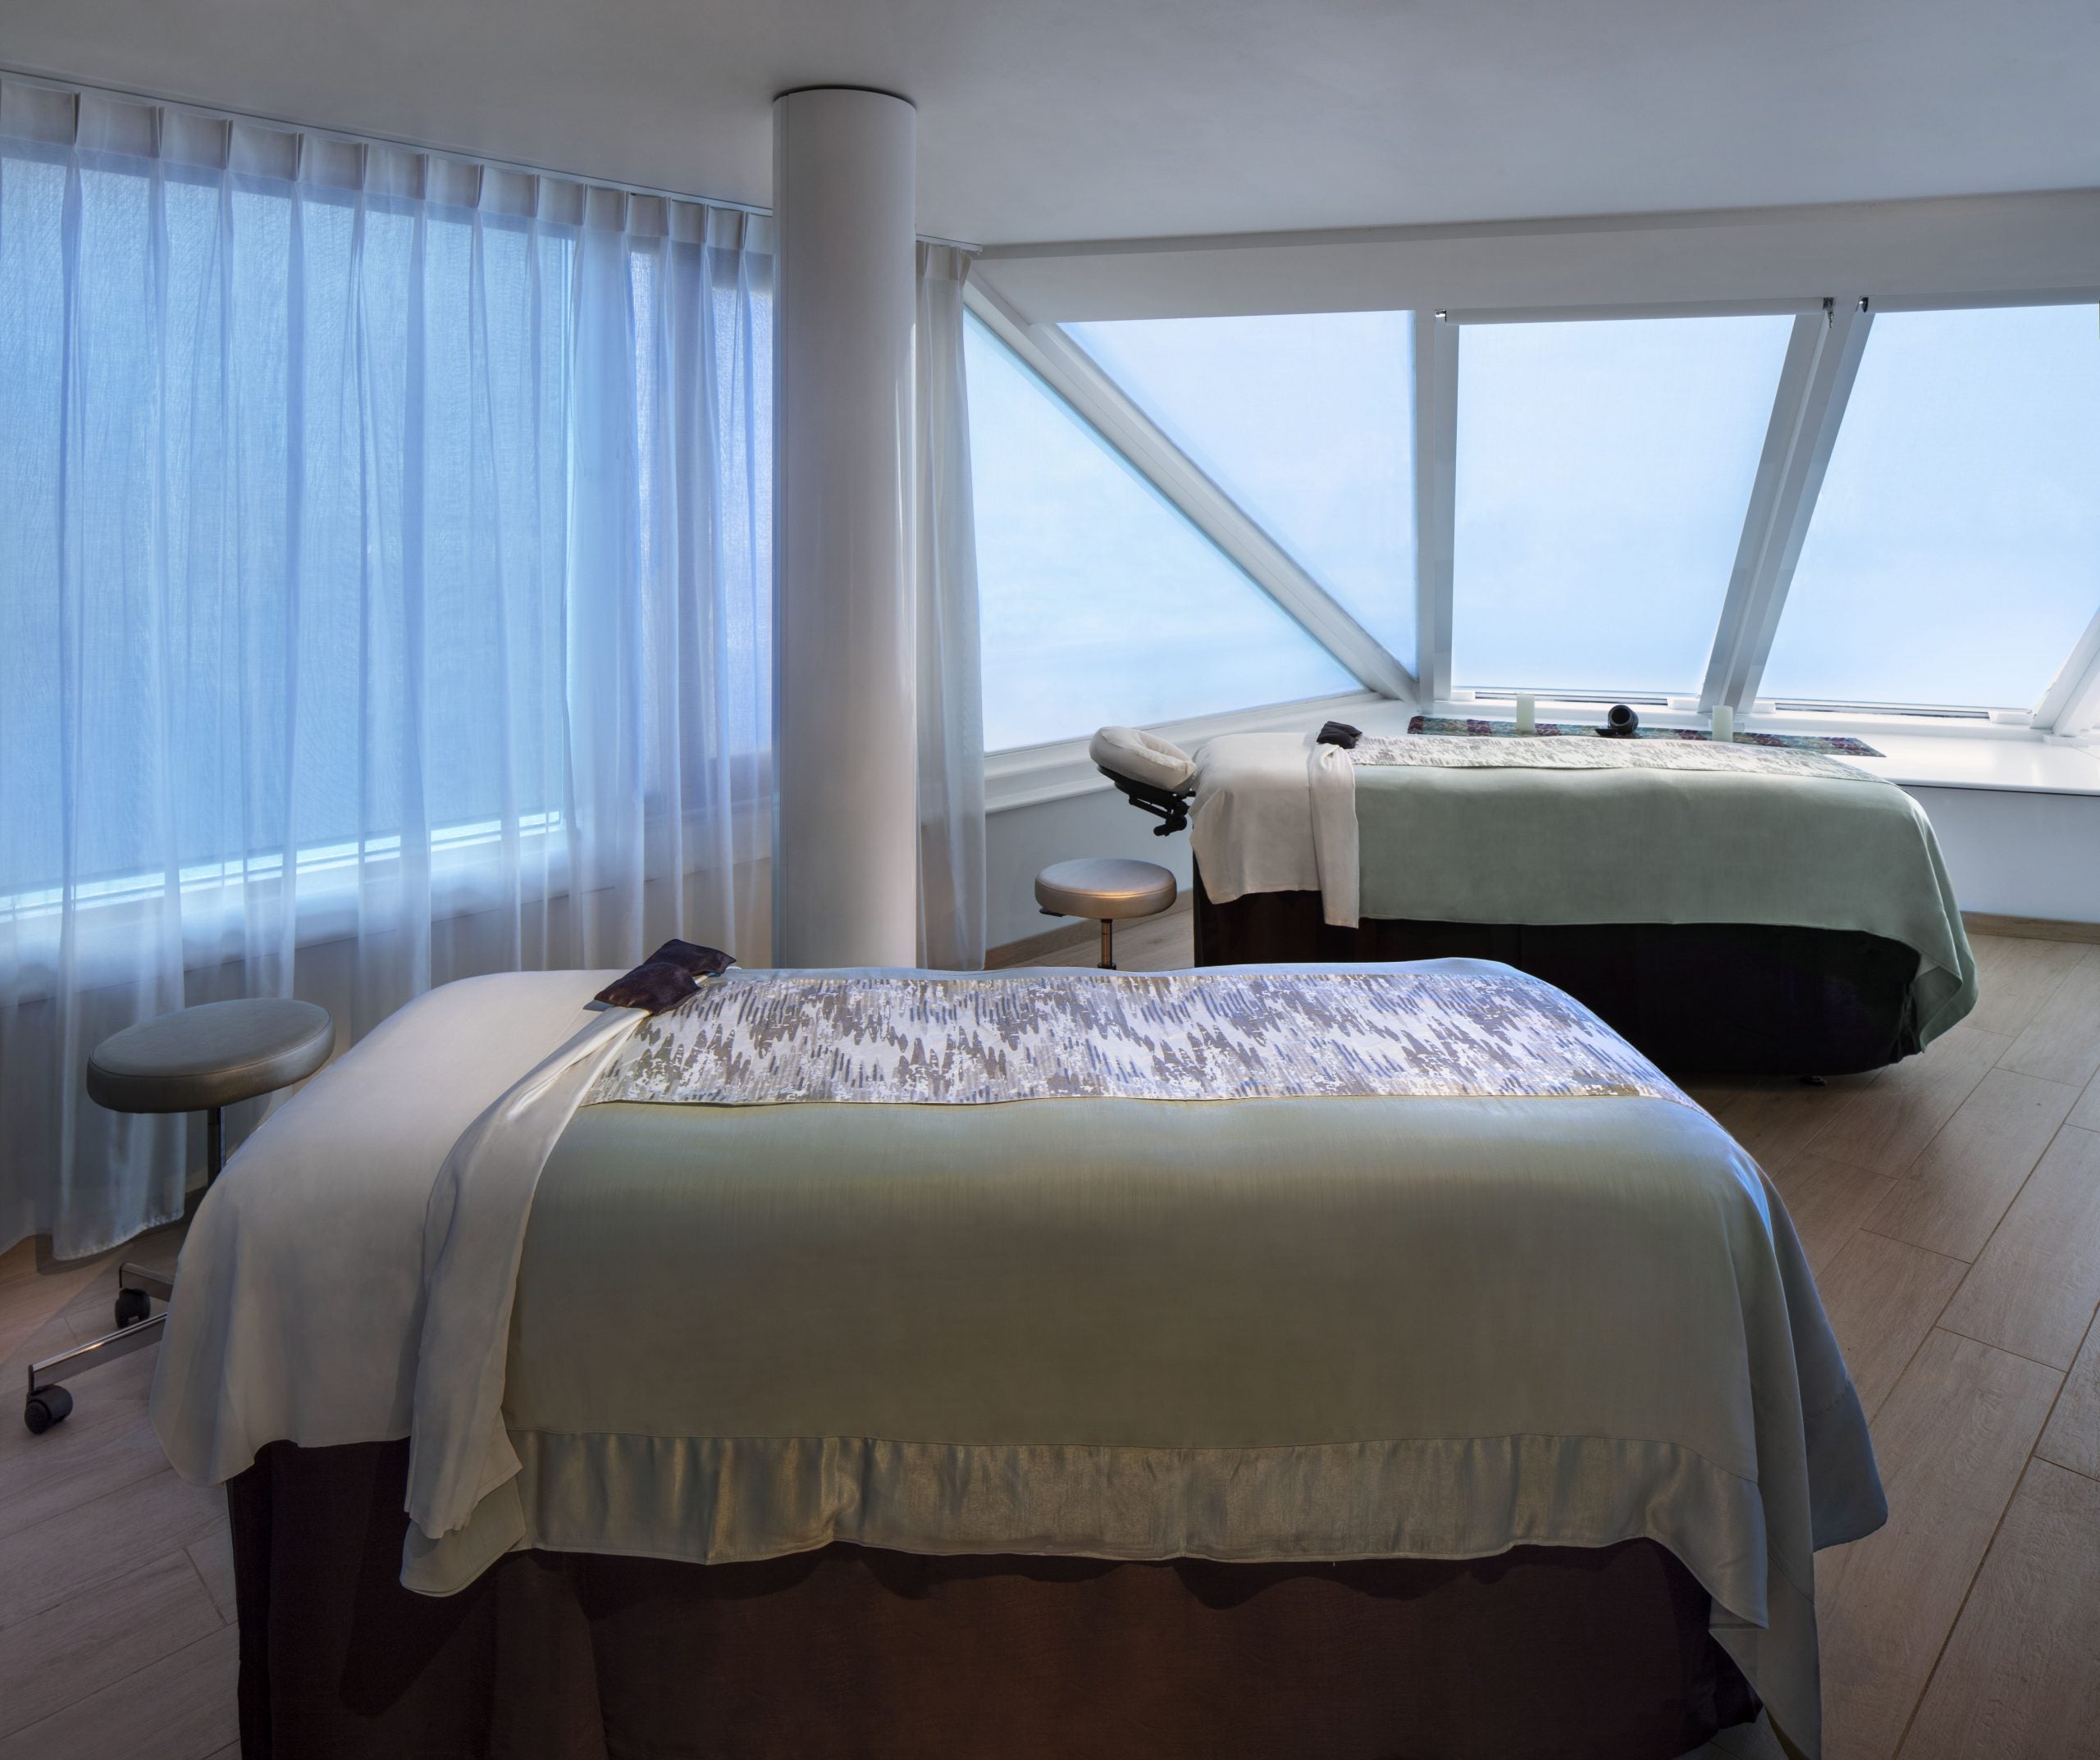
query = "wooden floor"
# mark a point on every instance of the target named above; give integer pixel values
(116, 1633)
(1951, 1207)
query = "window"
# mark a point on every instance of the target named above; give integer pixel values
(324, 506)
(1604, 471)
(1953, 558)
(1307, 422)
(1099, 602)
(383, 562)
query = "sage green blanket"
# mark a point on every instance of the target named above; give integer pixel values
(1421, 1324)
(1478, 836)
(1243, 1329)
(1599, 845)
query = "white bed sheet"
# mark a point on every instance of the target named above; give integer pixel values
(268, 1340)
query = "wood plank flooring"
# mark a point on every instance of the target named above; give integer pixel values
(1951, 1207)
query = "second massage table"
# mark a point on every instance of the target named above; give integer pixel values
(1729, 909)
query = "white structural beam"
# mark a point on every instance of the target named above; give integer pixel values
(2071, 704)
(1957, 250)
(1072, 373)
(1747, 580)
(845, 740)
(1633, 309)
(1823, 359)
(1436, 498)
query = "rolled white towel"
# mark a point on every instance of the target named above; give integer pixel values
(1142, 757)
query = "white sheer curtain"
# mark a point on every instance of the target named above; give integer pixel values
(951, 699)
(384, 594)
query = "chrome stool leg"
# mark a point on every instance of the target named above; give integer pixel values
(137, 1326)
(1107, 944)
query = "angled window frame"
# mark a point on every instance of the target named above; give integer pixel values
(2072, 698)
(1216, 650)
(1820, 366)
(1437, 354)
(1816, 382)
(1069, 371)
(1821, 363)
(1405, 579)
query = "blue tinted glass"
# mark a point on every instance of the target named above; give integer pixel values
(1307, 422)
(1097, 601)
(1604, 471)
(1953, 558)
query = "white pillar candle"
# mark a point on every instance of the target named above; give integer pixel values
(1526, 713)
(1724, 723)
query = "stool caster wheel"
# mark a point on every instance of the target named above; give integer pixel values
(132, 1306)
(47, 1406)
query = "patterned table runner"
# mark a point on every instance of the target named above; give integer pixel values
(752, 1039)
(1549, 730)
(1463, 753)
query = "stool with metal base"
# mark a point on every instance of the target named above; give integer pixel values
(1105, 888)
(197, 1059)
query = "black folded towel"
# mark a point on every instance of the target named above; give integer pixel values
(666, 978)
(1340, 733)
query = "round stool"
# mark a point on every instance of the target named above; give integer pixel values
(197, 1060)
(1105, 889)
(204, 1059)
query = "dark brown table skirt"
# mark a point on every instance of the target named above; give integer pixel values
(1699, 998)
(851, 1652)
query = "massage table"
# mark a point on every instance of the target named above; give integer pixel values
(1729, 909)
(1372, 1360)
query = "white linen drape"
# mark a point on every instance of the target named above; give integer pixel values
(952, 907)
(384, 589)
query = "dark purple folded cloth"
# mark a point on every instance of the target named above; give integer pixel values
(654, 986)
(702, 962)
(666, 978)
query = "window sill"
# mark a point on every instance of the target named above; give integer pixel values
(1918, 752)
(2033, 766)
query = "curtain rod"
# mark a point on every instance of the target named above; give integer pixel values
(221, 113)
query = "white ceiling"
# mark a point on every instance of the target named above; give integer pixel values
(1081, 119)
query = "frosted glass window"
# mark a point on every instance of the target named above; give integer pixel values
(1604, 471)
(1307, 422)
(1953, 558)
(1098, 602)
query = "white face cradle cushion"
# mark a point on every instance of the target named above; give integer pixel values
(1142, 757)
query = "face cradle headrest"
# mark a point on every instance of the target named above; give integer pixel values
(1142, 757)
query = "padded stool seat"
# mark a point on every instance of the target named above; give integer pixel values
(1105, 889)
(198, 1059)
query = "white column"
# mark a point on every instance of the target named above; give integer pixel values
(845, 885)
